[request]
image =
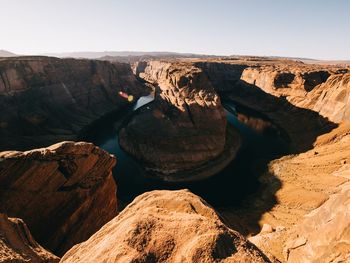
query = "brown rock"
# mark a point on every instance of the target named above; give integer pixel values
(184, 128)
(65, 192)
(45, 100)
(166, 226)
(334, 99)
(324, 234)
(17, 244)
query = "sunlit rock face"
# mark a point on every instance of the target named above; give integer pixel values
(45, 100)
(64, 193)
(166, 226)
(184, 127)
(18, 245)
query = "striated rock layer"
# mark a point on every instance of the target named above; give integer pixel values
(166, 226)
(326, 91)
(323, 89)
(65, 192)
(17, 244)
(184, 128)
(45, 100)
(314, 97)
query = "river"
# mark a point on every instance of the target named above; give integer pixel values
(261, 142)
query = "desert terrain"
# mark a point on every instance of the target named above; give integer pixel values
(234, 159)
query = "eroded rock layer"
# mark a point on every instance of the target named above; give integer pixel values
(45, 100)
(323, 89)
(184, 127)
(65, 192)
(17, 244)
(166, 226)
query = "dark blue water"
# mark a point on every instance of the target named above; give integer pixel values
(261, 143)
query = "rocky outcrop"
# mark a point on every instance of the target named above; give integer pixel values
(183, 129)
(166, 226)
(334, 98)
(17, 244)
(65, 192)
(320, 88)
(325, 91)
(45, 100)
(324, 234)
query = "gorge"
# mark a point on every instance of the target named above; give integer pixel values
(264, 141)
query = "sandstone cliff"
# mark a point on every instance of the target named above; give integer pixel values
(65, 192)
(166, 226)
(17, 244)
(314, 97)
(184, 128)
(44, 100)
(325, 91)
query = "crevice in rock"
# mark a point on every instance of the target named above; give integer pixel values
(190, 114)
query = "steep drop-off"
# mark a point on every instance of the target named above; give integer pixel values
(183, 135)
(45, 100)
(311, 104)
(64, 193)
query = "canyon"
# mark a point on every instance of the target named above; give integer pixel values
(66, 194)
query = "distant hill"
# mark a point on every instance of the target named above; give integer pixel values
(4, 53)
(331, 62)
(109, 54)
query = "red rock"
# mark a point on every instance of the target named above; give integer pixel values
(65, 192)
(166, 226)
(183, 134)
(45, 100)
(18, 245)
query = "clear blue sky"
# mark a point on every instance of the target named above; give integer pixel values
(301, 28)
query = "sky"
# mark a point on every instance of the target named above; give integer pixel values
(317, 29)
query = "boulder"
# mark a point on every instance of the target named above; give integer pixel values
(166, 226)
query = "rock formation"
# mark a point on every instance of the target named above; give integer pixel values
(45, 100)
(18, 245)
(65, 192)
(324, 234)
(184, 128)
(166, 226)
(287, 92)
(323, 90)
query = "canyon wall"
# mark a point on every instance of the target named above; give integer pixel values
(288, 93)
(64, 193)
(324, 90)
(185, 126)
(45, 100)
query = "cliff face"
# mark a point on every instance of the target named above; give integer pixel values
(166, 226)
(184, 127)
(306, 221)
(325, 91)
(18, 245)
(45, 100)
(334, 98)
(65, 192)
